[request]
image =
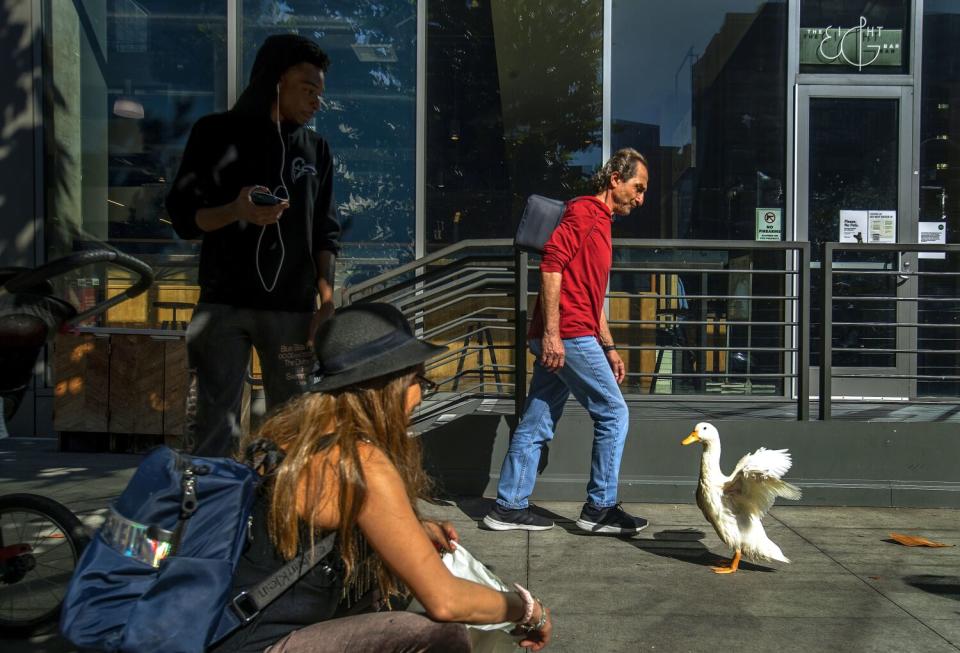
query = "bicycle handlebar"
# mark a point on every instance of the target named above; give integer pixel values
(27, 281)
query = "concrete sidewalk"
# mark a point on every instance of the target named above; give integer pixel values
(848, 589)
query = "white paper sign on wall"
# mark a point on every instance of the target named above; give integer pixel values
(882, 226)
(769, 224)
(853, 226)
(932, 233)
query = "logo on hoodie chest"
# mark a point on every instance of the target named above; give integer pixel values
(299, 167)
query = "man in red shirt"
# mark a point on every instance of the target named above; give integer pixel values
(575, 354)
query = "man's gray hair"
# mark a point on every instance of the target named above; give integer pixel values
(623, 162)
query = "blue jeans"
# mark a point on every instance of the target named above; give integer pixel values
(586, 373)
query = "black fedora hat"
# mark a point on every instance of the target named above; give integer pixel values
(363, 342)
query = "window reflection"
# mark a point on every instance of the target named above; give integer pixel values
(940, 195)
(369, 117)
(514, 107)
(705, 100)
(125, 81)
(705, 321)
(845, 132)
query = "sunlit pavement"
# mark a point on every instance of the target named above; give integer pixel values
(849, 588)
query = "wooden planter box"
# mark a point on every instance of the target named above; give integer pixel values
(121, 384)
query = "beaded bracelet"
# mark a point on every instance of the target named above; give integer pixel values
(527, 604)
(528, 600)
(543, 617)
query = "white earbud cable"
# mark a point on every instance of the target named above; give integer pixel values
(283, 250)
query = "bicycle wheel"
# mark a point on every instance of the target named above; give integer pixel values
(40, 543)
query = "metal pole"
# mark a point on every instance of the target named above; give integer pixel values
(749, 349)
(803, 318)
(420, 172)
(521, 286)
(826, 329)
(233, 52)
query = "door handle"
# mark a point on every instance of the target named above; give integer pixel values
(904, 267)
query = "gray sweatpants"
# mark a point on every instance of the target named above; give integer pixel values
(377, 632)
(219, 339)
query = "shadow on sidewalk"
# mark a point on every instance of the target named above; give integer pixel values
(685, 545)
(476, 508)
(460, 466)
(946, 586)
(45, 639)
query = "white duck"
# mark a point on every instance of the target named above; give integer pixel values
(735, 504)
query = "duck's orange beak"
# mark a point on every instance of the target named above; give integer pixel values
(690, 439)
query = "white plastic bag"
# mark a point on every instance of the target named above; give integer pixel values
(485, 638)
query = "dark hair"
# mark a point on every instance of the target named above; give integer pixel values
(283, 51)
(623, 162)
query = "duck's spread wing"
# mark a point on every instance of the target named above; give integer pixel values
(756, 481)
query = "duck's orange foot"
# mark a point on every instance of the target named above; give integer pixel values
(733, 565)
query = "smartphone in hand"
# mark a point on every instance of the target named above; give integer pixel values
(264, 199)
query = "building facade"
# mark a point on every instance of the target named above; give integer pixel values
(784, 120)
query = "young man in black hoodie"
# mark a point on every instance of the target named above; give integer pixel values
(262, 267)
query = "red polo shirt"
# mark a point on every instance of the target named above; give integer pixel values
(581, 250)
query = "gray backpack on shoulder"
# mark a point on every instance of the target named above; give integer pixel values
(540, 217)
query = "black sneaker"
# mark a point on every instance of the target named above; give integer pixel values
(508, 519)
(612, 520)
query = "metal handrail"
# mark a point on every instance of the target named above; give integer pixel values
(427, 290)
(463, 271)
(827, 374)
(349, 292)
(700, 244)
(434, 284)
(795, 273)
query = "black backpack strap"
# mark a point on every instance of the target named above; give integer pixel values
(264, 456)
(249, 603)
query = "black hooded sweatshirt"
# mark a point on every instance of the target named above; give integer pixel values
(242, 147)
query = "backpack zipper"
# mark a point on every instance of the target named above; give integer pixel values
(188, 501)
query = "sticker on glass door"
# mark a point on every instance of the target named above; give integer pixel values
(871, 226)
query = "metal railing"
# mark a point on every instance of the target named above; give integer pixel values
(653, 315)
(695, 319)
(899, 331)
(461, 297)
(472, 297)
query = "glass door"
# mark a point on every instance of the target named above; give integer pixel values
(854, 149)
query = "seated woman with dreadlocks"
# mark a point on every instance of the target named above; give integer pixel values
(348, 465)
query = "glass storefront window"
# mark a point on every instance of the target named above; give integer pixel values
(699, 322)
(704, 98)
(124, 81)
(514, 107)
(120, 113)
(940, 193)
(844, 133)
(368, 118)
(855, 36)
(700, 89)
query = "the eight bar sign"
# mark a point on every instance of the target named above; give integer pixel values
(858, 47)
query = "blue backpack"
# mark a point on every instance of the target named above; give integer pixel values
(157, 576)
